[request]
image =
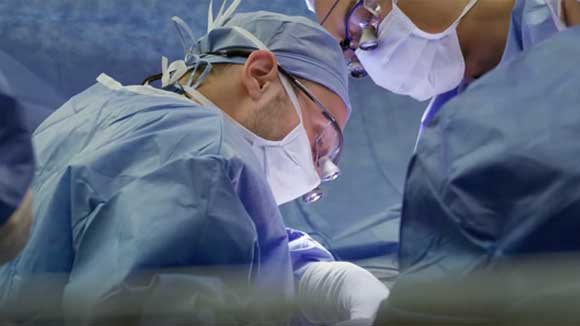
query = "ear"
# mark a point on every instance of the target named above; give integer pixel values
(260, 72)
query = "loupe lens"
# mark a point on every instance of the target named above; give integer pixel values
(312, 196)
(356, 69)
(328, 170)
(368, 40)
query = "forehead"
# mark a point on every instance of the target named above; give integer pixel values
(332, 102)
(335, 21)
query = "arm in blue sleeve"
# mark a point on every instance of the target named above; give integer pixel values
(174, 245)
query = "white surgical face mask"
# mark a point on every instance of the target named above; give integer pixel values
(409, 61)
(288, 163)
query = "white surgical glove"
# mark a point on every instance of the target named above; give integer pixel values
(332, 292)
(304, 250)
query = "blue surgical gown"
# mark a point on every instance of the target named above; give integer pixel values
(495, 179)
(147, 202)
(531, 22)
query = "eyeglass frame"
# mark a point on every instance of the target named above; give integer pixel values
(324, 111)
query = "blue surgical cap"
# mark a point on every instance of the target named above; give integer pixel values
(301, 46)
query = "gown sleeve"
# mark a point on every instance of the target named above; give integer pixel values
(173, 246)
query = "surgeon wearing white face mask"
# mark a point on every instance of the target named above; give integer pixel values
(413, 62)
(292, 133)
(434, 49)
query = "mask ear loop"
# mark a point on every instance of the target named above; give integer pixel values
(292, 95)
(464, 12)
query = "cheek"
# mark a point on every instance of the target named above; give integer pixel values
(285, 121)
(275, 120)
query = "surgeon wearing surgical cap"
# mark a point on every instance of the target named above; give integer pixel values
(158, 203)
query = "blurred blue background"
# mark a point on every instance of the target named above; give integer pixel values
(52, 49)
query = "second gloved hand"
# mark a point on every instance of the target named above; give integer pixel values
(337, 291)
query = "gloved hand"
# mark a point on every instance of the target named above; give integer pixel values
(304, 250)
(337, 291)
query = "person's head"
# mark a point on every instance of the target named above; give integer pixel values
(420, 41)
(256, 97)
(283, 79)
